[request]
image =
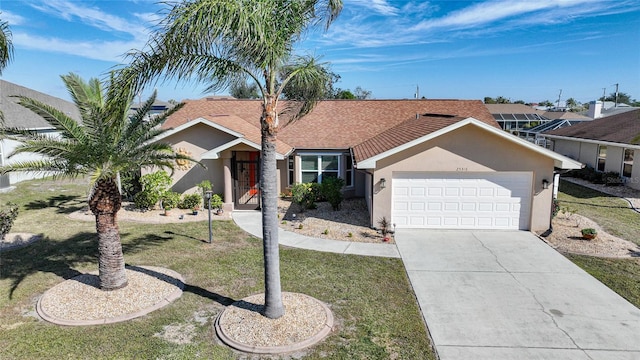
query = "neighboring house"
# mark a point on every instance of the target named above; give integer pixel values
(20, 117)
(599, 109)
(608, 144)
(418, 163)
(560, 120)
(514, 117)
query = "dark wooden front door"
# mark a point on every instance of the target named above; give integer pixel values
(247, 180)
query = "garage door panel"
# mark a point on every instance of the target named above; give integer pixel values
(496, 200)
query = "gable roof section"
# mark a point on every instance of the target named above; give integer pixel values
(404, 133)
(560, 161)
(244, 132)
(17, 116)
(333, 124)
(621, 128)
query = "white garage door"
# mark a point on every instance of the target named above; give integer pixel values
(496, 200)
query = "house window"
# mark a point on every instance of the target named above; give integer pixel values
(290, 170)
(627, 163)
(348, 172)
(602, 157)
(316, 167)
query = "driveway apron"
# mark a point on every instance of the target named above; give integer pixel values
(508, 295)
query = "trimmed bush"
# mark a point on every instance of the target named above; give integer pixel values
(190, 201)
(8, 214)
(154, 187)
(305, 195)
(331, 190)
(170, 200)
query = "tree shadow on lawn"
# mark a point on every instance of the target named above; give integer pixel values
(65, 204)
(61, 257)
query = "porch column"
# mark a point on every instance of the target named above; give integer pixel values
(228, 184)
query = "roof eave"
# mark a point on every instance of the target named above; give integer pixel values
(560, 161)
(593, 141)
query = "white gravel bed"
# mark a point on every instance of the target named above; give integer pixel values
(305, 322)
(567, 237)
(79, 301)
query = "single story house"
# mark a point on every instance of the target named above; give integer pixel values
(17, 116)
(608, 144)
(417, 163)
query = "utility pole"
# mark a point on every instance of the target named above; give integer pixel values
(558, 103)
(616, 99)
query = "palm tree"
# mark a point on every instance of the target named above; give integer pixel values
(6, 45)
(6, 54)
(221, 42)
(107, 143)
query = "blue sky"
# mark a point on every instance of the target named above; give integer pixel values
(523, 50)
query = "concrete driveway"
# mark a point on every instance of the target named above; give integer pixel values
(507, 295)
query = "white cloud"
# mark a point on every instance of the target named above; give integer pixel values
(11, 18)
(111, 51)
(92, 16)
(379, 6)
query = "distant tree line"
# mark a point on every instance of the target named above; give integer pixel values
(296, 90)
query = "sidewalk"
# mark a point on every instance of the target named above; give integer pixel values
(251, 222)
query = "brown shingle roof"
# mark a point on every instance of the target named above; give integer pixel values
(512, 109)
(334, 124)
(621, 128)
(404, 132)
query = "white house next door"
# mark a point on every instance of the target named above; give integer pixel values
(461, 200)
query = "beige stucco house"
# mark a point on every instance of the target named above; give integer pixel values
(418, 163)
(607, 144)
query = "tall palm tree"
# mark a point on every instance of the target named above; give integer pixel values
(221, 42)
(107, 143)
(6, 55)
(6, 45)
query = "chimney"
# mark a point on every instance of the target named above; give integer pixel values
(595, 109)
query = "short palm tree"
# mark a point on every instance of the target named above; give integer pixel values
(105, 144)
(222, 42)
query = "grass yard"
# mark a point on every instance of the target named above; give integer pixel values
(374, 305)
(615, 216)
(610, 212)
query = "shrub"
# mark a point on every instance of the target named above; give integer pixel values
(7, 215)
(305, 195)
(216, 202)
(589, 233)
(190, 201)
(556, 207)
(154, 186)
(130, 184)
(170, 200)
(331, 190)
(612, 178)
(144, 200)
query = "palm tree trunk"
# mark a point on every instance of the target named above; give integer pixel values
(268, 191)
(104, 204)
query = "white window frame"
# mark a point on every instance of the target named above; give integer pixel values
(319, 159)
(604, 158)
(626, 162)
(291, 168)
(349, 162)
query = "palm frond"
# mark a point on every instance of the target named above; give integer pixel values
(6, 45)
(60, 121)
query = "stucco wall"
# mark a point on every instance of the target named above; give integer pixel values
(468, 149)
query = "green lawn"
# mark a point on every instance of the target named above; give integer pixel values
(615, 216)
(374, 305)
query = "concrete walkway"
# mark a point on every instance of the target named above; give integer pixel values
(507, 295)
(251, 222)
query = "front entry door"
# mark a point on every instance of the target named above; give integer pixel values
(247, 180)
